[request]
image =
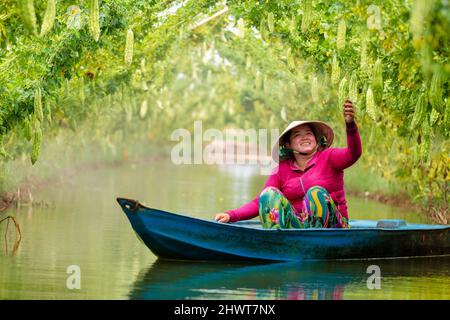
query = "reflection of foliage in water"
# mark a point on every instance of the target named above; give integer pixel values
(18, 234)
(260, 65)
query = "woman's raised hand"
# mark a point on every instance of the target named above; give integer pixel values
(222, 217)
(349, 111)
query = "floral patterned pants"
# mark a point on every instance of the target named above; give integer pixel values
(318, 210)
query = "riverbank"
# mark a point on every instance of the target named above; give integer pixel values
(22, 194)
(363, 182)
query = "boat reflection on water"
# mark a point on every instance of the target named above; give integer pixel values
(206, 280)
(329, 280)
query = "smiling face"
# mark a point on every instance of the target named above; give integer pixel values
(302, 139)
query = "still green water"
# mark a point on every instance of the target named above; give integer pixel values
(84, 226)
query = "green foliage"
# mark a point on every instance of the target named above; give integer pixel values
(129, 47)
(377, 80)
(353, 88)
(342, 29)
(94, 20)
(260, 64)
(335, 72)
(370, 105)
(37, 141)
(49, 18)
(343, 90)
(28, 15)
(38, 105)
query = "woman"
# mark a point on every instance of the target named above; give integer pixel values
(306, 190)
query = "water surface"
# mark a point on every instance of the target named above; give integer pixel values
(84, 226)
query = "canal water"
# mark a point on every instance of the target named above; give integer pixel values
(82, 225)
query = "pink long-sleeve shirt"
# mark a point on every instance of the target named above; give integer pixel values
(325, 169)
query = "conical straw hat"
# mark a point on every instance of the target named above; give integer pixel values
(320, 129)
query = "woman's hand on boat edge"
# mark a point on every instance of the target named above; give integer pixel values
(222, 217)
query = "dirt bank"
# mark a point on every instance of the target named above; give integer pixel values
(23, 194)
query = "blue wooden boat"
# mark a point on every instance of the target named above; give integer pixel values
(174, 236)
